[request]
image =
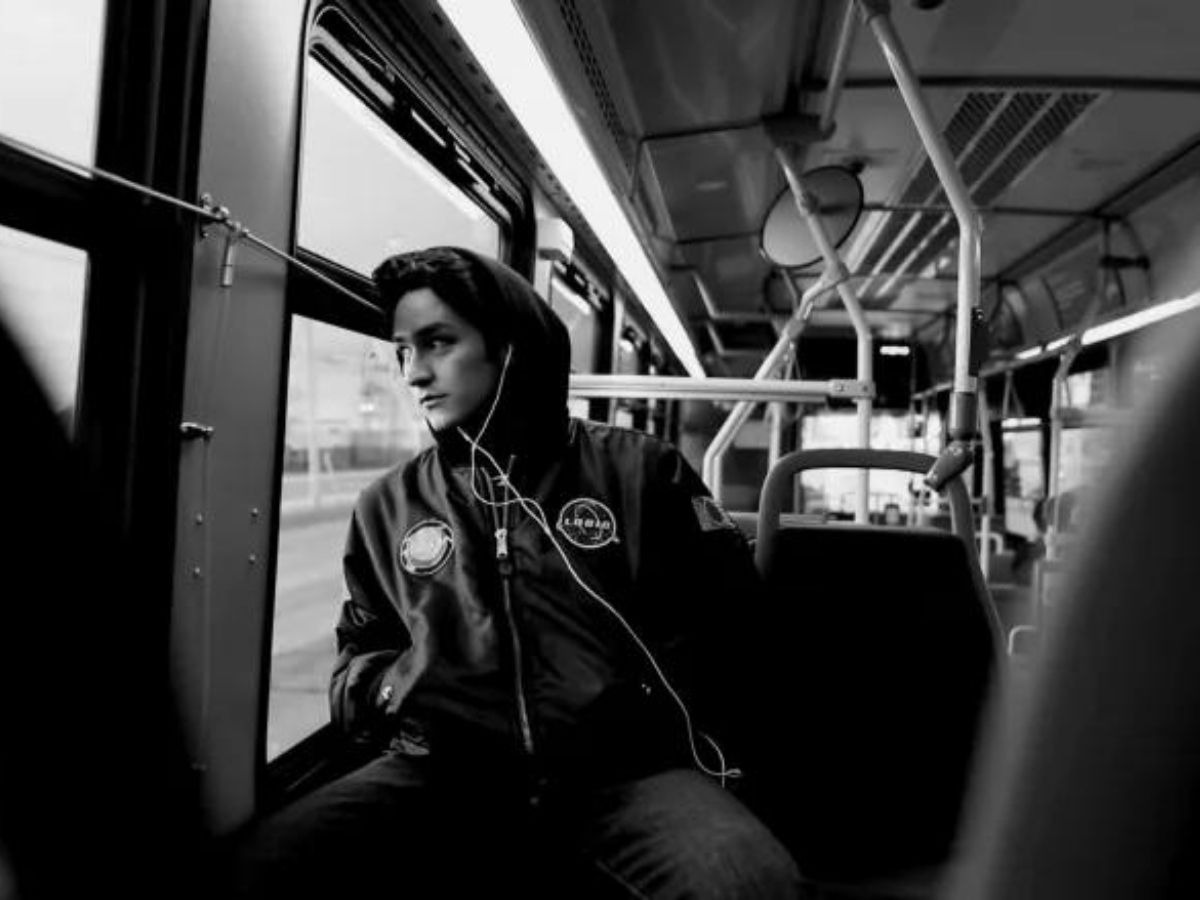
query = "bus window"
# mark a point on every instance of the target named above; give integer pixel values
(1084, 455)
(831, 493)
(42, 285)
(57, 47)
(628, 361)
(1023, 482)
(366, 194)
(349, 419)
(1085, 452)
(580, 318)
(1091, 388)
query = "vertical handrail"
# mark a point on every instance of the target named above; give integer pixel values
(775, 416)
(1058, 389)
(989, 492)
(957, 455)
(837, 72)
(809, 210)
(777, 412)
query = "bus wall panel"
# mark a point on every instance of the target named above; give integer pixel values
(235, 358)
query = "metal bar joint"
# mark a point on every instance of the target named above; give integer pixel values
(194, 430)
(849, 389)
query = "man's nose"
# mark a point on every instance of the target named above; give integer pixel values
(417, 372)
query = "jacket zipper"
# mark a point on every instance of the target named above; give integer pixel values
(500, 519)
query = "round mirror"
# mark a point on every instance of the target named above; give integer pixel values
(787, 240)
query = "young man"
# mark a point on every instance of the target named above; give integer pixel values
(545, 632)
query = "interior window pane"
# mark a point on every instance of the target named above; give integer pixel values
(349, 419)
(580, 318)
(365, 194)
(1023, 482)
(42, 285)
(50, 73)
(833, 493)
(1085, 453)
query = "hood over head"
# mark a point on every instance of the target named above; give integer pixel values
(530, 418)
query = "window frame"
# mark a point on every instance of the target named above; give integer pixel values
(138, 286)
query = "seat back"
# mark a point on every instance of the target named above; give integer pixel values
(1091, 790)
(96, 794)
(892, 644)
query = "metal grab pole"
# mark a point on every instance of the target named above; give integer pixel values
(837, 72)
(711, 468)
(957, 455)
(989, 460)
(1058, 389)
(834, 268)
(776, 412)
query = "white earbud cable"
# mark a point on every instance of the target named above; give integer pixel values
(535, 512)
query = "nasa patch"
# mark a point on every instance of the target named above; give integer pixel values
(587, 523)
(426, 547)
(710, 515)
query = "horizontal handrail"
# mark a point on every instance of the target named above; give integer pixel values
(673, 387)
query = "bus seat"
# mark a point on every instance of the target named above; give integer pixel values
(892, 642)
(1014, 604)
(1000, 567)
(1090, 789)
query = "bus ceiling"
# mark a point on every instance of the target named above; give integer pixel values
(1062, 161)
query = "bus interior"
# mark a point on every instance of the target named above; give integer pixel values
(912, 284)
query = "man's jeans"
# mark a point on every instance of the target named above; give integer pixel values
(396, 829)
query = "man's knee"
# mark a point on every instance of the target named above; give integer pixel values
(742, 859)
(679, 835)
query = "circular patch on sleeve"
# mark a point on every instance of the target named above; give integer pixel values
(587, 523)
(426, 546)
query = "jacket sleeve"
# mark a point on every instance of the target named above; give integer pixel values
(709, 623)
(370, 637)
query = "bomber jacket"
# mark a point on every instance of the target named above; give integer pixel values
(464, 630)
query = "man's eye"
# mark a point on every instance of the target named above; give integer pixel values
(403, 356)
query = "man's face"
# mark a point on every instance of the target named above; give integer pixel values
(443, 357)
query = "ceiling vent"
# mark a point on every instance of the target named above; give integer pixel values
(994, 136)
(595, 76)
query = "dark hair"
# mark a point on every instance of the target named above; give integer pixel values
(460, 283)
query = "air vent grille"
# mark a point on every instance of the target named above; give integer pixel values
(965, 123)
(596, 79)
(995, 136)
(1043, 132)
(1006, 129)
(1061, 116)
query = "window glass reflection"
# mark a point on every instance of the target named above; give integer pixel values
(349, 419)
(42, 287)
(50, 55)
(366, 194)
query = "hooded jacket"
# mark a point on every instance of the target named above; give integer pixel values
(466, 634)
